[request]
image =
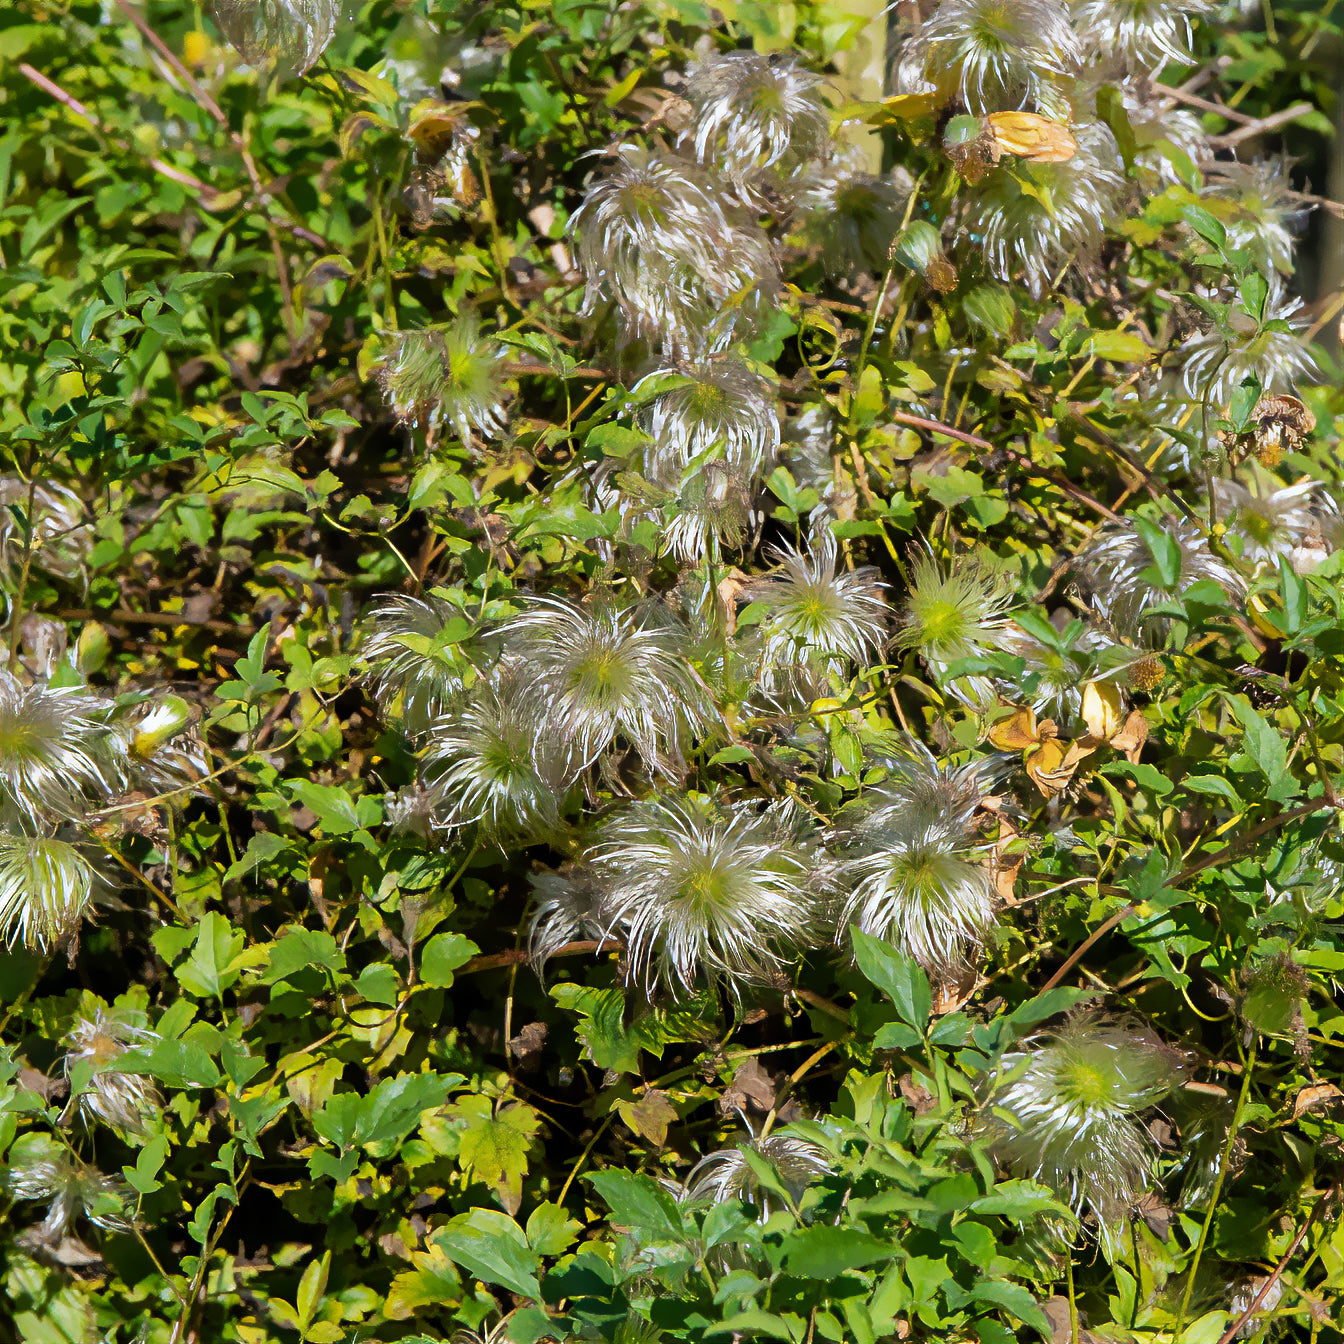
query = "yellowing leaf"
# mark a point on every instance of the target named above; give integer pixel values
(1031, 136)
(650, 1116)
(493, 1148)
(905, 107)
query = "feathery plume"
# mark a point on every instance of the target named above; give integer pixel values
(46, 885)
(726, 1174)
(696, 890)
(126, 1101)
(44, 1172)
(61, 534)
(1066, 1109)
(1254, 202)
(1144, 34)
(1266, 519)
(291, 34)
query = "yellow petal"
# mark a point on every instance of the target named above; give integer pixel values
(1015, 733)
(1102, 709)
(1031, 136)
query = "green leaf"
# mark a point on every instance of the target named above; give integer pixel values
(299, 949)
(823, 1252)
(444, 954)
(639, 1203)
(896, 974)
(491, 1246)
(1163, 547)
(1264, 746)
(393, 1108)
(1014, 1298)
(215, 962)
(493, 1147)
(1120, 347)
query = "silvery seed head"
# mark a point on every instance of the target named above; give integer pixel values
(446, 375)
(163, 753)
(955, 610)
(754, 112)
(718, 406)
(809, 450)
(291, 34)
(57, 755)
(607, 673)
(685, 267)
(417, 669)
(1157, 124)
(711, 512)
(70, 1188)
(820, 616)
(1254, 201)
(1216, 363)
(851, 215)
(495, 762)
(61, 533)
(1251, 1290)
(1066, 1109)
(1126, 582)
(912, 863)
(46, 885)
(126, 1101)
(700, 891)
(565, 908)
(1064, 222)
(726, 1174)
(1144, 34)
(1266, 520)
(993, 56)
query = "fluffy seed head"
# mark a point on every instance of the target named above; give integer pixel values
(725, 893)
(711, 512)
(754, 112)
(1127, 581)
(46, 884)
(1059, 664)
(851, 215)
(416, 666)
(61, 535)
(819, 614)
(1072, 1101)
(1145, 34)
(954, 610)
(1154, 122)
(719, 406)
(1269, 522)
(449, 374)
(56, 754)
(684, 266)
(993, 55)
(126, 1101)
(1255, 204)
(605, 673)
(495, 762)
(912, 863)
(70, 1188)
(564, 908)
(725, 1174)
(291, 34)
(1034, 235)
(1216, 363)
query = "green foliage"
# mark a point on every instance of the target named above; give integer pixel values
(371, 1119)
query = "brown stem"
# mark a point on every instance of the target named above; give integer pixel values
(493, 961)
(121, 616)
(1204, 105)
(1091, 941)
(1260, 125)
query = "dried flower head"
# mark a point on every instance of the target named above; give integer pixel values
(1127, 578)
(607, 673)
(1144, 34)
(448, 374)
(56, 753)
(1278, 424)
(1271, 350)
(42, 1171)
(1066, 1110)
(851, 215)
(416, 665)
(1060, 221)
(126, 1101)
(955, 610)
(46, 885)
(702, 891)
(291, 34)
(497, 763)
(754, 112)
(819, 615)
(1254, 201)
(1265, 519)
(711, 512)
(61, 534)
(720, 406)
(993, 56)
(726, 1174)
(684, 265)
(912, 864)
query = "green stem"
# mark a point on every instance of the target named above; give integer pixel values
(1248, 1070)
(1074, 1336)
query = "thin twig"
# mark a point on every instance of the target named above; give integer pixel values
(1261, 125)
(170, 619)
(493, 961)
(1204, 105)
(1101, 931)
